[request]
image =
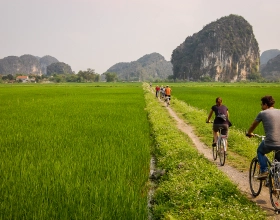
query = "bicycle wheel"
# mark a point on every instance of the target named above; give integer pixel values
(255, 184)
(167, 102)
(274, 191)
(214, 151)
(222, 152)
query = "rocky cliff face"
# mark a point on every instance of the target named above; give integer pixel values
(25, 64)
(22, 64)
(224, 50)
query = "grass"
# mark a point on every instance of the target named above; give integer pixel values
(192, 188)
(73, 151)
(190, 104)
(242, 100)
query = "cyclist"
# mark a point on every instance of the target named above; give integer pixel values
(221, 119)
(162, 92)
(157, 91)
(270, 117)
(168, 92)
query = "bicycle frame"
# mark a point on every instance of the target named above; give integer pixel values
(272, 180)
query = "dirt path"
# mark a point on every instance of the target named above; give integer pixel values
(239, 178)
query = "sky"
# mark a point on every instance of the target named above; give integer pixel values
(97, 34)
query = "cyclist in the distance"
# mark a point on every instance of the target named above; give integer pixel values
(221, 119)
(270, 117)
(168, 92)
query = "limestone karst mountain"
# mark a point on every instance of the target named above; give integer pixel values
(268, 54)
(28, 64)
(224, 50)
(271, 70)
(149, 67)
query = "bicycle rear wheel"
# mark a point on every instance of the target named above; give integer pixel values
(255, 184)
(214, 151)
(274, 191)
(222, 152)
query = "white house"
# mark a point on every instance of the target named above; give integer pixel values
(24, 79)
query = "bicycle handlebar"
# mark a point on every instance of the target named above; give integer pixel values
(255, 135)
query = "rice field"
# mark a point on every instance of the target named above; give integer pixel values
(82, 151)
(242, 100)
(73, 152)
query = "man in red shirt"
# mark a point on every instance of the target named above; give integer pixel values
(157, 91)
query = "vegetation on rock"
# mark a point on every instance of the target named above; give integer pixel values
(224, 50)
(58, 68)
(268, 54)
(25, 64)
(148, 68)
(271, 71)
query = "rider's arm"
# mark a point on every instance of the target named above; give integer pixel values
(210, 115)
(253, 126)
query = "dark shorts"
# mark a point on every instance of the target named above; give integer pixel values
(168, 96)
(224, 126)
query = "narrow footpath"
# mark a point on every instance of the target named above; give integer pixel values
(241, 179)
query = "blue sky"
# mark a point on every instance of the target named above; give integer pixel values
(97, 34)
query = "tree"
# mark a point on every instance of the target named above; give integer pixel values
(88, 76)
(10, 77)
(254, 77)
(110, 77)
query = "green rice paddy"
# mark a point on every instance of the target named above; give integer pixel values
(73, 152)
(82, 151)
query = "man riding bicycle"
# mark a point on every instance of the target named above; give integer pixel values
(168, 93)
(270, 117)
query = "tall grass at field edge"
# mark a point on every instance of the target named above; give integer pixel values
(192, 188)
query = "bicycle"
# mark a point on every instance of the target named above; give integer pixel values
(167, 100)
(221, 147)
(272, 180)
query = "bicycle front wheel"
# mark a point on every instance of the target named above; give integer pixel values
(222, 152)
(274, 190)
(255, 184)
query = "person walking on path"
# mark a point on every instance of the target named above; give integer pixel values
(221, 119)
(270, 117)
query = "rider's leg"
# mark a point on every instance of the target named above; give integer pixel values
(215, 136)
(262, 150)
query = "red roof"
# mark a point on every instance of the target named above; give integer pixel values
(22, 77)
